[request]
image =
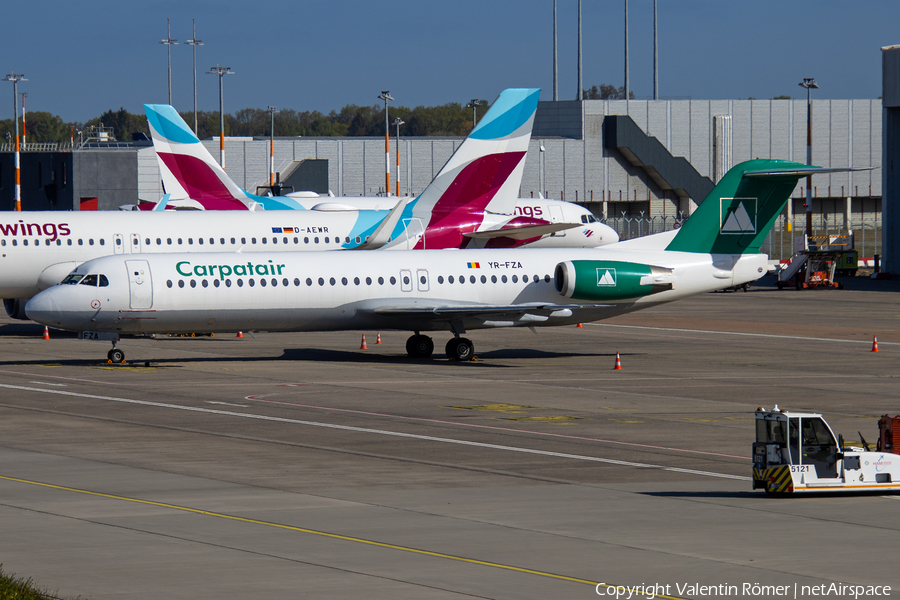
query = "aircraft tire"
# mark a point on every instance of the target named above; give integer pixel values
(420, 346)
(460, 349)
(115, 355)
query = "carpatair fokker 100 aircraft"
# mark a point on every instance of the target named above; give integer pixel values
(430, 290)
(38, 249)
(192, 178)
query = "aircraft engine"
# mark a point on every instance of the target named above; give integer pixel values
(610, 279)
(15, 308)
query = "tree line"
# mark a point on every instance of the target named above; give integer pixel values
(452, 119)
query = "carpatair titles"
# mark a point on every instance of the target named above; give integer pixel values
(185, 269)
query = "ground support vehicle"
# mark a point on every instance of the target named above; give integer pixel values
(799, 453)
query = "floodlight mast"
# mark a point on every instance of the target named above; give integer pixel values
(194, 42)
(386, 96)
(398, 122)
(16, 78)
(809, 83)
(169, 42)
(474, 103)
(24, 129)
(221, 72)
(272, 110)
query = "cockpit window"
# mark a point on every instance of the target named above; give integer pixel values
(89, 280)
(103, 281)
(72, 279)
(588, 219)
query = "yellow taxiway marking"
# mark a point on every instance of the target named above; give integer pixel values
(561, 419)
(498, 407)
(326, 534)
(624, 421)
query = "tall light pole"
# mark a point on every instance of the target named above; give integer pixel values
(555, 68)
(580, 95)
(655, 56)
(398, 122)
(24, 129)
(194, 42)
(169, 42)
(272, 110)
(542, 170)
(809, 83)
(626, 50)
(16, 78)
(221, 72)
(386, 96)
(474, 103)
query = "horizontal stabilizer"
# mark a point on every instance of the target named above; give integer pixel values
(382, 235)
(523, 232)
(803, 171)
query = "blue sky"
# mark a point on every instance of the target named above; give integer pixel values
(82, 58)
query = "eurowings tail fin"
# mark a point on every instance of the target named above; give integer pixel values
(189, 171)
(483, 175)
(739, 212)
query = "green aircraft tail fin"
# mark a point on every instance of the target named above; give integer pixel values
(739, 212)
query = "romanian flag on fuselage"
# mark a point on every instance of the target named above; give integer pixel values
(474, 265)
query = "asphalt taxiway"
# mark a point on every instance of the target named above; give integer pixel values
(299, 465)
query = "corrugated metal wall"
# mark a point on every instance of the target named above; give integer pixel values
(845, 133)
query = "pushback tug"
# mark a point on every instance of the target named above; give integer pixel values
(798, 452)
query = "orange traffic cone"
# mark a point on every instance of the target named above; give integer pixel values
(46, 335)
(378, 339)
(618, 366)
(240, 335)
(874, 343)
(363, 346)
(579, 325)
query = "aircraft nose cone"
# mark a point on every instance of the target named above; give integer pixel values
(43, 309)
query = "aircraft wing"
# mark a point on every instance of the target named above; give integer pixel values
(456, 314)
(523, 232)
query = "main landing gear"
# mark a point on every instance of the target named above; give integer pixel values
(422, 346)
(460, 348)
(419, 346)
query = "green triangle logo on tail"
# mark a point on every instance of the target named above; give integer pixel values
(738, 215)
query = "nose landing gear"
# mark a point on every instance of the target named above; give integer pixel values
(115, 355)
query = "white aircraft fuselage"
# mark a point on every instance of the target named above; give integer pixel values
(422, 290)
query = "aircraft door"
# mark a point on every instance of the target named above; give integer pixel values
(819, 447)
(135, 243)
(422, 280)
(556, 216)
(140, 285)
(406, 280)
(118, 244)
(414, 232)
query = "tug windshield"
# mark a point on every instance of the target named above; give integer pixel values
(769, 432)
